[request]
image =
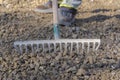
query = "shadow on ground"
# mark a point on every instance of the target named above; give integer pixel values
(96, 18)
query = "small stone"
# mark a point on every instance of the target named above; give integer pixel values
(32, 65)
(52, 64)
(87, 77)
(113, 73)
(71, 69)
(23, 74)
(91, 60)
(58, 57)
(41, 67)
(8, 6)
(48, 56)
(80, 72)
(74, 36)
(77, 60)
(115, 66)
(75, 78)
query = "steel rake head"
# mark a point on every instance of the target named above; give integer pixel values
(60, 45)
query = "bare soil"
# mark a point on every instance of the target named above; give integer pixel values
(97, 19)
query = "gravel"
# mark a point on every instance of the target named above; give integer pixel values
(22, 24)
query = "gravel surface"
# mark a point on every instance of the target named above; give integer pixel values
(19, 22)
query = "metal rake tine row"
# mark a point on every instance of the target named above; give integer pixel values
(95, 43)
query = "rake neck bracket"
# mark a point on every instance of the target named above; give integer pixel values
(56, 31)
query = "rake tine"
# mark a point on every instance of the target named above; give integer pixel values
(21, 51)
(88, 47)
(71, 47)
(26, 49)
(55, 47)
(32, 48)
(37, 47)
(43, 47)
(49, 47)
(17, 48)
(83, 45)
(60, 47)
(93, 46)
(65, 47)
(77, 47)
(97, 46)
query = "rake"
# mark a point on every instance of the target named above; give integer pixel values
(56, 45)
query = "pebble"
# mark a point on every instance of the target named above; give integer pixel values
(75, 78)
(81, 72)
(71, 69)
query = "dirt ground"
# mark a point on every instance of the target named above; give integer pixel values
(97, 19)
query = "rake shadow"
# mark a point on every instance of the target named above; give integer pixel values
(96, 18)
(100, 10)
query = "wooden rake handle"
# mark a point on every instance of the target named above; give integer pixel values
(55, 11)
